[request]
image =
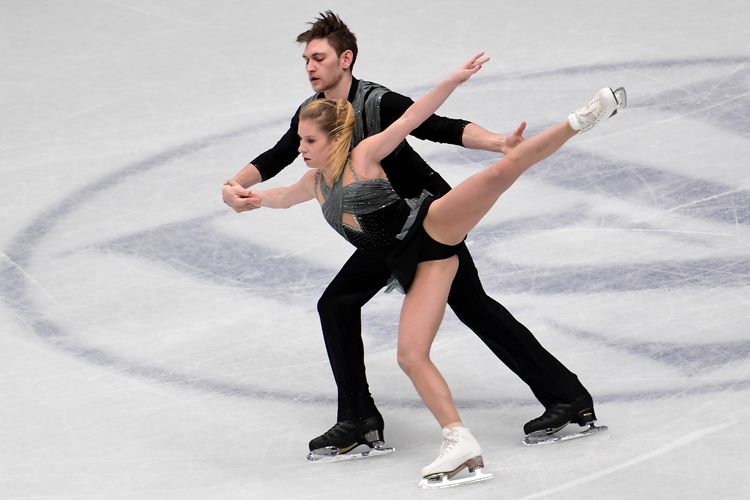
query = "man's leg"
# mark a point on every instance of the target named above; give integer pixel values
(340, 308)
(358, 419)
(550, 381)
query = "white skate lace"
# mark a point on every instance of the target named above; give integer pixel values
(591, 112)
(595, 110)
(450, 439)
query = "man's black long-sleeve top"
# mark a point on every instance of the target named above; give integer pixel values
(407, 171)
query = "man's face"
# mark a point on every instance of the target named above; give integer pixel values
(324, 68)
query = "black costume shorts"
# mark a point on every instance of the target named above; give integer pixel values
(417, 246)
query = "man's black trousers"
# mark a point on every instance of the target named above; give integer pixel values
(365, 274)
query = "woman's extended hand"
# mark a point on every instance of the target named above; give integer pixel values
(467, 69)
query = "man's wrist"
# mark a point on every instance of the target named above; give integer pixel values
(498, 143)
(476, 137)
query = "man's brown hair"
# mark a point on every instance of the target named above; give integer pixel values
(332, 28)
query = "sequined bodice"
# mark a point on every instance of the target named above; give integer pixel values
(367, 212)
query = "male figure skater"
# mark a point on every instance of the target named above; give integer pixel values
(330, 53)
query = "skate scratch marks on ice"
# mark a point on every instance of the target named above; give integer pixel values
(731, 421)
(692, 203)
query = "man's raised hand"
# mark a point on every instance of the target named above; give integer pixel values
(513, 140)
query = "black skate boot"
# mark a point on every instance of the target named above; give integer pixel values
(341, 442)
(544, 429)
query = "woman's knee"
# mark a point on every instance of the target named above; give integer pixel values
(411, 360)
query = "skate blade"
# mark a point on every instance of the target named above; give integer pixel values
(333, 455)
(622, 99)
(535, 439)
(443, 482)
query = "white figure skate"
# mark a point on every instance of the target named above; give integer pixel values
(605, 104)
(460, 450)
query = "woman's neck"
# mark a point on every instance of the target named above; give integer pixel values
(327, 174)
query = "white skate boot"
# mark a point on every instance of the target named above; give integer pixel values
(459, 451)
(605, 103)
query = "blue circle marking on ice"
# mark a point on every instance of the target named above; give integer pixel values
(17, 289)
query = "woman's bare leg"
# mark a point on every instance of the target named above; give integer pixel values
(452, 216)
(421, 315)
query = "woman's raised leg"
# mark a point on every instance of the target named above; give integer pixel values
(451, 217)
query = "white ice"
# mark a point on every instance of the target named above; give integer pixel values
(156, 345)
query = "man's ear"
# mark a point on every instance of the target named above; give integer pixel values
(346, 59)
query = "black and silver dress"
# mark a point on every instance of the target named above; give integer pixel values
(370, 215)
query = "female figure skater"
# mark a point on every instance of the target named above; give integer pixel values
(416, 237)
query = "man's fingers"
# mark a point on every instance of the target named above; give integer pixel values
(236, 188)
(520, 129)
(239, 192)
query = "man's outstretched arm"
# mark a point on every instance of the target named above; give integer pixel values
(262, 168)
(235, 192)
(476, 137)
(449, 130)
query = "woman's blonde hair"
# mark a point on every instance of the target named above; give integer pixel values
(336, 118)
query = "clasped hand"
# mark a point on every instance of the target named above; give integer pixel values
(238, 198)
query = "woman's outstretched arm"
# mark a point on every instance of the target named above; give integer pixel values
(284, 197)
(378, 146)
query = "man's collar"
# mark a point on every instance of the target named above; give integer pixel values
(352, 91)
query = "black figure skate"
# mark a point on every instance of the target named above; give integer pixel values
(546, 428)
(350, 439)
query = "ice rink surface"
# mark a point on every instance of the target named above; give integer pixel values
(156, 345)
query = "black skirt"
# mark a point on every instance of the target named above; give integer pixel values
(415, 247)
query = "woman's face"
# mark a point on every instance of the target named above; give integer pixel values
(314, 144)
